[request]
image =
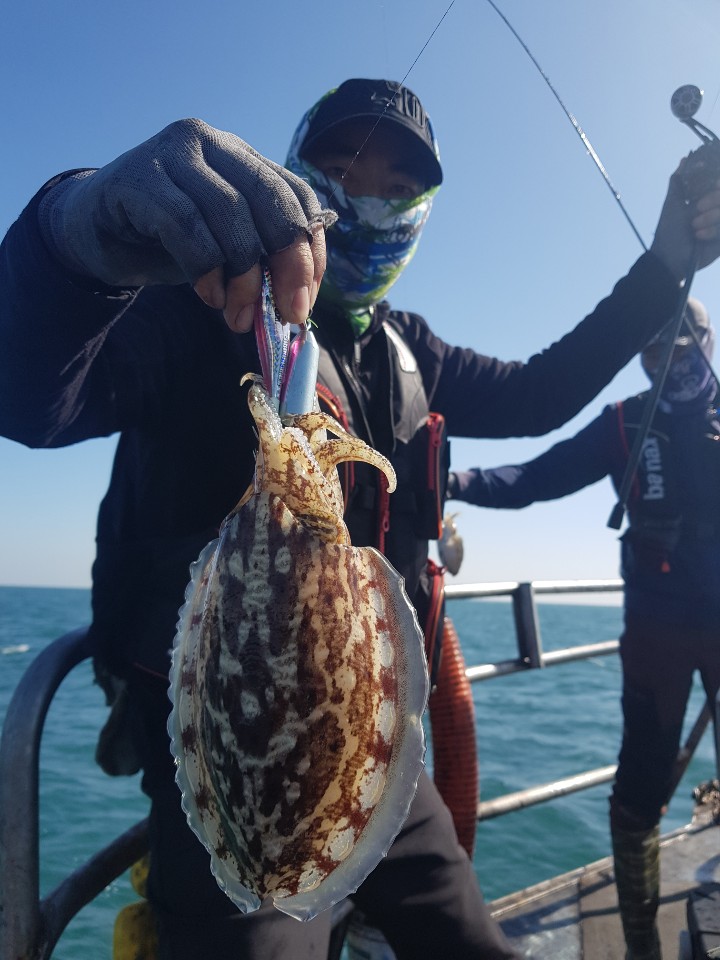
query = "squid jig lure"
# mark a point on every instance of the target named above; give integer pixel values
(289, 366)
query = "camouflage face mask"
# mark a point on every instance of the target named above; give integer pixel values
(371, 243)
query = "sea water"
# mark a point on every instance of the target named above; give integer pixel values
(531, 728)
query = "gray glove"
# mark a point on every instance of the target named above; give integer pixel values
(188, 200)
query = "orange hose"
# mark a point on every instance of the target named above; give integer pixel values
(452, 721)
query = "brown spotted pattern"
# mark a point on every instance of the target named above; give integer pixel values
(298, 683)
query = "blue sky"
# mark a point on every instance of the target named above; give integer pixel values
(523, 240)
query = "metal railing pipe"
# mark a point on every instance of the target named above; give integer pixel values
(585, 651)
(88, 882)
(505, 588)
(503, 668)
(687, 750)
(19, 780)
(552, 658)
(531, 796)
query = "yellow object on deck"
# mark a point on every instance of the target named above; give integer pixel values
(135, 934)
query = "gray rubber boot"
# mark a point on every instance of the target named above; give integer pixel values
(637, 876)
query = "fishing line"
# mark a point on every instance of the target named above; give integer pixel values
(391, 102)
(717, 97)
(576, 126)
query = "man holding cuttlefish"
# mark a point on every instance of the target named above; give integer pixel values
(101, 332)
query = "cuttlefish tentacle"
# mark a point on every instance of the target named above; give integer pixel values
(316, 424)
(291, 464)
(330, 453)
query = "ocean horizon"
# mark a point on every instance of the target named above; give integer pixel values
(531, 728)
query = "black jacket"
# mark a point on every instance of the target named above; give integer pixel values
(671, 549)
(79, 360)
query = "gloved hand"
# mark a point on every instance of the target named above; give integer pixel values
(193, 204)
(690, 218)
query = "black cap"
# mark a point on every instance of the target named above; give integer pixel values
(358, 99)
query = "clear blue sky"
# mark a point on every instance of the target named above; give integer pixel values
(524, 237)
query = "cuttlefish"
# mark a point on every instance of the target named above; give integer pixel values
(298, 681)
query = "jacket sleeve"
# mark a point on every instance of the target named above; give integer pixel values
(52, 326)
(65, 374)
(563, 469)
(482, 396)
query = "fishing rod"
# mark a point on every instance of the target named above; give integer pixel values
(684, 104)
(576, 126)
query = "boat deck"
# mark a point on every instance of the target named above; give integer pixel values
(575, 916)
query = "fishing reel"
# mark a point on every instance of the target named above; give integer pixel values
(702, 168)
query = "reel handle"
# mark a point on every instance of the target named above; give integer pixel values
(684, 104)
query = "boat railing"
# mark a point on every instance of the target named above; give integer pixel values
(30, 926)
(531, 656)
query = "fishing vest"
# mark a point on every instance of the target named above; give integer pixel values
(674, 492)
(399, 524)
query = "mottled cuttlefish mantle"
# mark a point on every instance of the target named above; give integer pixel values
(298, 682)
